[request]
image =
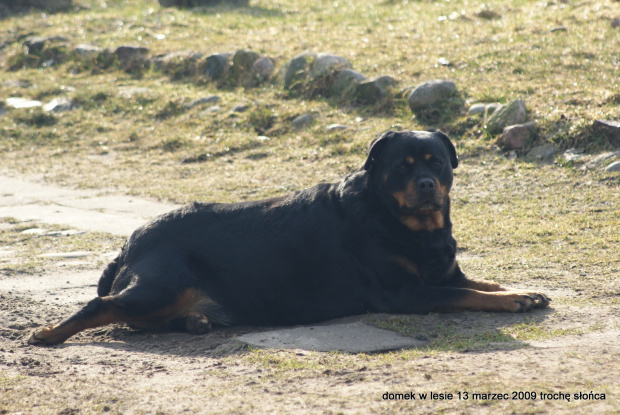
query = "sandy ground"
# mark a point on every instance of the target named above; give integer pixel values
(119, 370)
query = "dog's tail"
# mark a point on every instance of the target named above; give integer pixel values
(107, 277)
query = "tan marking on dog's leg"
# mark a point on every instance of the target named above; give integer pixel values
(510, 301)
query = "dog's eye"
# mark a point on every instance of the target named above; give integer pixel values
(436, 163)
(404, 166)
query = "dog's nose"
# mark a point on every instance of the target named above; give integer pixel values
(425, 185)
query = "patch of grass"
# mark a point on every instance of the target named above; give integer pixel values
(36, 118)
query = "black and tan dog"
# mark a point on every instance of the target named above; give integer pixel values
(378, 241)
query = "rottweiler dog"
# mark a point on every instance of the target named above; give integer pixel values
(380, 240)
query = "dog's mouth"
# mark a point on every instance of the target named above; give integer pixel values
(425, 207)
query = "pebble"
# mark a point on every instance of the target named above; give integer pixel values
(336, 127)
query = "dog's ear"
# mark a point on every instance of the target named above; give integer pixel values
(376, 147)
(454, 161)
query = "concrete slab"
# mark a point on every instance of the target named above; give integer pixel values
(83, 209)
(354, 337)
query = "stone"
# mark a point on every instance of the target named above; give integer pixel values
(483, 108)
(34, 45)
(374, 90)
(241, 108)
(336, 127)
(615, 166)
(60, 104)
(216, 66)
(541, 152)
(324, 64)
(132, 91)
(22, 103)
(608, 127)
(516, 137)
(511, 114)
(345, 81)
(264, 68)
(573, 154)
(355, 337)
(616, 22)
(430, 93)
(601, 159)
(127, 54)
(296, 70)
(302, 121)
(241, 71)
(204, 100)
(87, 51)
(169, 61)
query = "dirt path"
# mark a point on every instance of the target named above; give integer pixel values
(118, 370)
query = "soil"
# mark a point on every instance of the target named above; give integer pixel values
(116, 369)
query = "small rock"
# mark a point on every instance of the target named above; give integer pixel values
(211, 110)
(204, 100)
(558, 29)
(541, 152)
(170, 62)
(601, 159)
(516, 137)
(66, 255)
(87, 51)
(573, 154)
(336, 127)
(216, 66)
(59, 105)
(483, 108)
(302, 121)
(324, 64)
(511, 114)
(444, 62)
(609, 127)
(616, 22)
(615, 166)
(35, 44)
(264, 68)
(22, 103)
(131, 91)
(345, 82)
(296, 70)
(374, 90)
(128, 54)
(33, 231)
(430, 93)
(241, 108)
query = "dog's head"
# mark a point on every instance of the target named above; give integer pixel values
(411, 172)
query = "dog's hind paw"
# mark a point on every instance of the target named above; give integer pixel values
(197, 323)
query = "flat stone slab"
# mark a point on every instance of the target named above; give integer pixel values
(354, 337)
(82, 209)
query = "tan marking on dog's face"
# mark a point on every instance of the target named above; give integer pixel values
(409, 160)
(430, 222)
(406, 197)
(385, 178)
(428, 156)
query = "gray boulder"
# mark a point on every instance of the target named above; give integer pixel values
(483, 108)
(608, 127)
(615, 166)
(264, 68)
(345, 81)
(296, 70)
(324, 64)
(87, 51)
(216, 66)
(511, 114)
(374, 90)
(516, 137)
(302, 121)
(127, 54)
(430, 93)
(60, 104)
(541, 152)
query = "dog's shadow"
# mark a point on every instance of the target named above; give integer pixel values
(465, 332)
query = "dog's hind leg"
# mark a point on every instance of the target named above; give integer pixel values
(137, 306)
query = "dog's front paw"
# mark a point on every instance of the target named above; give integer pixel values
(529, 300)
